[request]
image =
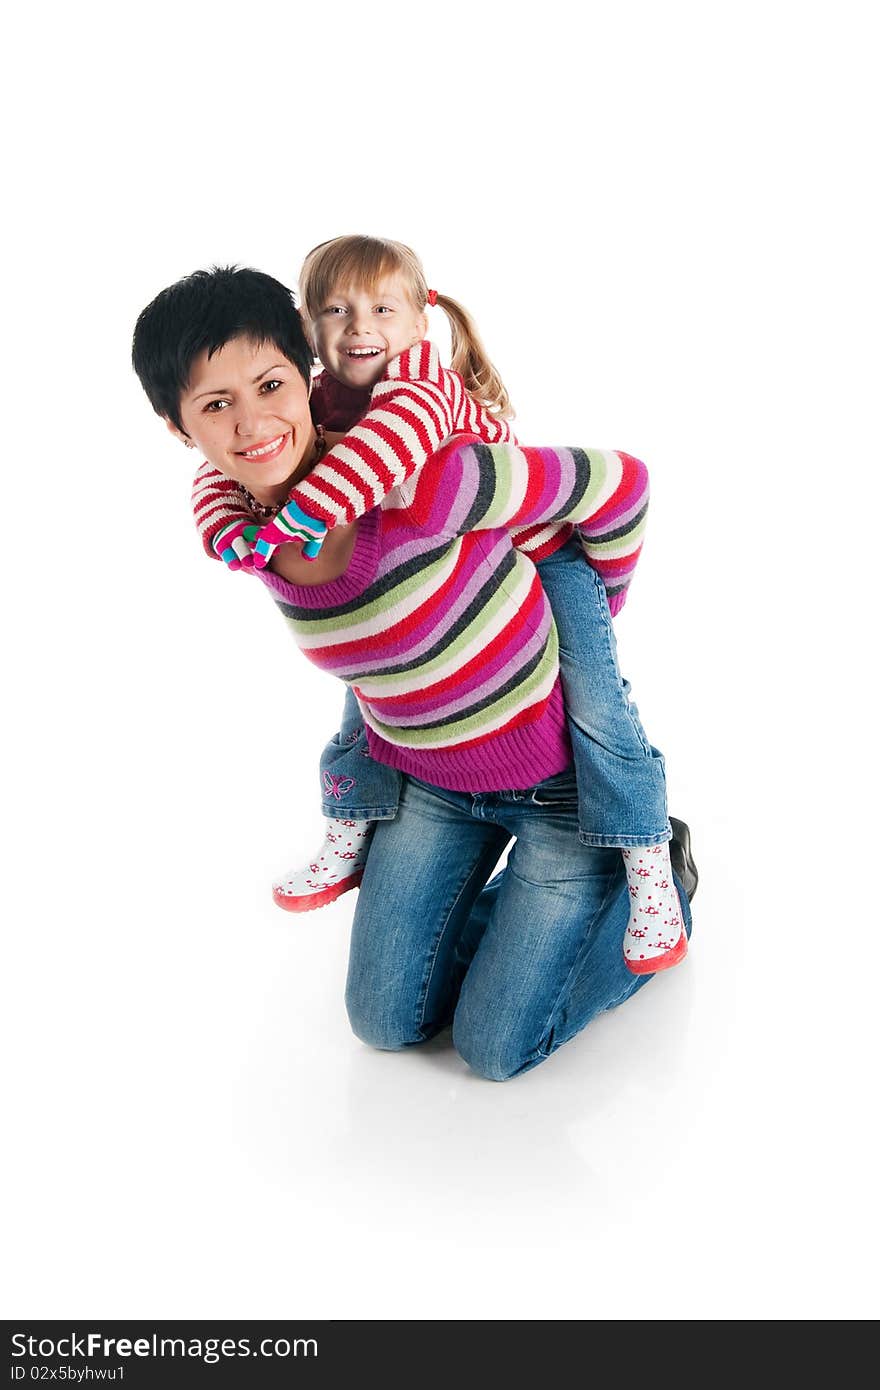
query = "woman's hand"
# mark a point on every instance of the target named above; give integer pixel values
(292, 526)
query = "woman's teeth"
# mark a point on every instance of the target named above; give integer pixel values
(265, 449)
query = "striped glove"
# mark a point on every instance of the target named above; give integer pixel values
(232, 544)
(291, 526)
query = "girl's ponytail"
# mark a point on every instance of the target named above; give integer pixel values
(470, 360)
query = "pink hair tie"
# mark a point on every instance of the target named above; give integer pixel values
(432, 298)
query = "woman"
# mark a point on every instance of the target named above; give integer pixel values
(418, 604)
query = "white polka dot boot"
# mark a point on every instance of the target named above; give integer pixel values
(337, 867)
(655, 938)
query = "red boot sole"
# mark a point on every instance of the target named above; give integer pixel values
(651, 967)
(308, 902)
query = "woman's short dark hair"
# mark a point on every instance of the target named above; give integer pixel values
(202, 313)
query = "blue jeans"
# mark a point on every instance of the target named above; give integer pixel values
(517, 967)
(352, 783)
(621, 778)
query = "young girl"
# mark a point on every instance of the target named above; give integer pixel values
(365, 303)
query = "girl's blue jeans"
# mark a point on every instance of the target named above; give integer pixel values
(517, 965)
(621, 778)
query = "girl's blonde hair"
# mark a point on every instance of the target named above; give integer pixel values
(367, 260)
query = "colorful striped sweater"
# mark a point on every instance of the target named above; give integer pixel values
(441, 627)
(414, 407)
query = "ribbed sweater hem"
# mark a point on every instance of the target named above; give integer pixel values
(509, 761)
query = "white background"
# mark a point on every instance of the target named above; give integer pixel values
(662, 218)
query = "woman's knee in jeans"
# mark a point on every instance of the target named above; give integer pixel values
(490, 1048)
(381, 1021)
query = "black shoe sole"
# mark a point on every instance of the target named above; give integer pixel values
(682, 858)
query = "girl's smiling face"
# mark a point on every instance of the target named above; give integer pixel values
(359, 331)
(247, 409)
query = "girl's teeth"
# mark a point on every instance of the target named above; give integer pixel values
(363, 352)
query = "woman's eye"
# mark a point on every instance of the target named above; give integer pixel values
(214, 407)
(270, 386)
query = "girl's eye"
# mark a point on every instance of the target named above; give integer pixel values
(383, 309)
(334, 309)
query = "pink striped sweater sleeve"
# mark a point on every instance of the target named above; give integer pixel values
(469, 486)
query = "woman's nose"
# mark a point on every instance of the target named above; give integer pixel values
(250, 417)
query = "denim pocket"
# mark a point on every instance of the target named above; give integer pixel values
(560, 790)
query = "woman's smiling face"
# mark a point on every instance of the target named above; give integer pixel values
(247, 409)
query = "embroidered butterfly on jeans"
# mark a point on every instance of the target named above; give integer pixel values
(337, 786)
